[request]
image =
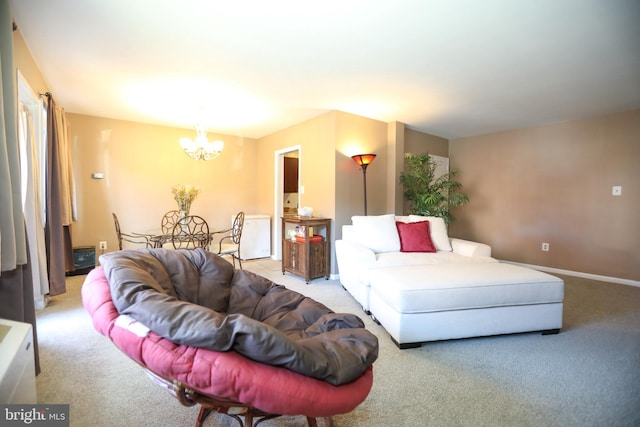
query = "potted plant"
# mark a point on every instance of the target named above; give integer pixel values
(430, 195)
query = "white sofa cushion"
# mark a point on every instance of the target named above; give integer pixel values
(398, 259)
(439, 235)
(377, 232)
(463, 286)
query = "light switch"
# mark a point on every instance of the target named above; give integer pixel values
(616, 190)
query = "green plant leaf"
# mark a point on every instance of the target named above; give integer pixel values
(430, 195)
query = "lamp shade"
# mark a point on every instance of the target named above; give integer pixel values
(363, 159)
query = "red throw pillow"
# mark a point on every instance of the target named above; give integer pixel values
(415, 237)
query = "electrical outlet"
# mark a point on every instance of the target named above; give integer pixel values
(616, 190)
(545, 247)
(103, 245)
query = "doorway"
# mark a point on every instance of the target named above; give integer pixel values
(285, 203)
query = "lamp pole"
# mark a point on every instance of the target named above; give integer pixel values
(364, 178)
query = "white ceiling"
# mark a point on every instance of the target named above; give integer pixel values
(452, 68)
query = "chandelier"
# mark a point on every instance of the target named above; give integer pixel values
(201, 148)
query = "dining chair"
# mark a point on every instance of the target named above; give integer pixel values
(139, 239)
(191, 232)
(169, 220)
(230, 243)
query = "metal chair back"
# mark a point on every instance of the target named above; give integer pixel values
(191, 232)
(236, 229)
(169, 220)
(140, 239)
(233, 246)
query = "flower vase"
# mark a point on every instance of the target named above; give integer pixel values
(184, 212)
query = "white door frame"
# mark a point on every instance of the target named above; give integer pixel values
(278, 194)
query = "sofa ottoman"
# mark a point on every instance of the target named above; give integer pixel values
(421, 303)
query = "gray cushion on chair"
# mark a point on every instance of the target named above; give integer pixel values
(196, 298)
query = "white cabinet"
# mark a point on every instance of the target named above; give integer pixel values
(17, 365)
(256, 237)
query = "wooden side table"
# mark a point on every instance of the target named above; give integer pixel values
(304, 257)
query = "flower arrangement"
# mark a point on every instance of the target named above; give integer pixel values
(184, 195)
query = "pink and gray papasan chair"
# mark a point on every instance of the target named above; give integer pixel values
(230, 340)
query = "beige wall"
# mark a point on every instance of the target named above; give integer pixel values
(395, 163)
(359, 135)
(553, 184)
(141, 163)
(420, 142)
(25, 64)
(316, 140)
(332, 180)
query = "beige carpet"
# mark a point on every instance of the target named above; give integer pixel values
(588, 375)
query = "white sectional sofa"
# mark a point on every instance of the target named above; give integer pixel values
(421, 285)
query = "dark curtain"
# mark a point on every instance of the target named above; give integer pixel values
(16, 301)
(57, 235)
(16, 286)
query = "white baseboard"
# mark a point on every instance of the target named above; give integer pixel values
(578, 274)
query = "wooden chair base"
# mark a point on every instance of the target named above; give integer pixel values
(252, 416)
(246, 416)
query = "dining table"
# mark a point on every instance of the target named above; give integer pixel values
(157, 238)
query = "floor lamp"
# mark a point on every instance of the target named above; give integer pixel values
(364, 160)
